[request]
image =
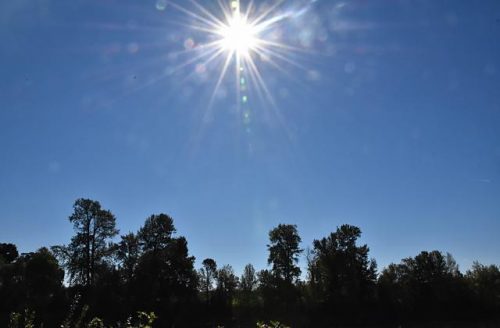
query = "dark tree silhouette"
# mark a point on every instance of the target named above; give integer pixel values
(152, 271)
(284, 252)
(8, 253)
(248, 280)
(484, 280)
(340, 269)
(34, 281)
(127, 254)
(427, 286)
(278, 286)
(165, 280)
(156, 233)
(207, 274)
(247, 295)
(341, 275)
(227, 282)
(89, 250)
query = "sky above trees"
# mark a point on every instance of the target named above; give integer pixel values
(385, 116)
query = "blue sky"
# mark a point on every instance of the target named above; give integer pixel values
(386, 115)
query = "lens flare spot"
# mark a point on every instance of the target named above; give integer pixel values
(161, 5)
(189, 44)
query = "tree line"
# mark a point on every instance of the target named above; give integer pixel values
(103, 278)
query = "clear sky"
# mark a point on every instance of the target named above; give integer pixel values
(383, 114)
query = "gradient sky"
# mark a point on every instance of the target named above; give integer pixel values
(386, 116)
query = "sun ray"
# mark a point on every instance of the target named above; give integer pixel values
(221, 77)
(244, 36)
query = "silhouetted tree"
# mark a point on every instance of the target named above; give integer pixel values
(278, 290)
(34, 281)
(127, 253)
(248, 280)
(153, 271)
(165, 280)
(284, 252)
(247, 300)
(227, 282)
(427, 286)
(8, 253)
(341, 275)
(89, 249)
(156, 233)
(267, 287)
(207, 274)
(484, 280)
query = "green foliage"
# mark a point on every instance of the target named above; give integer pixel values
(72, 311)
(271, 324)
(14, 320)
(17, 320)
(96, 323)
(29, 318)
(80, 321)
(142, 320)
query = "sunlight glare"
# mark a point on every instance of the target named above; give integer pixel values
(238, 36)
(241, 38)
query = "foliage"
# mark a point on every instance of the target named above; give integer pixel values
(14, 320)
(27, 320)
(271, 324)
(96, 323)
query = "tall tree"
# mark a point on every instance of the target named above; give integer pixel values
(485, 282)
(227, 282)
(248, 280)
(339, 269)
(208, 274)
(165, 282)
(128, 252)
(89, 248)
(284, 252)
(156, 233)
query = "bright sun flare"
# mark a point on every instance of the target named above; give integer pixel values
(239, 36)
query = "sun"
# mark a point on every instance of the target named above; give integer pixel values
(242, 38)
(238, 36)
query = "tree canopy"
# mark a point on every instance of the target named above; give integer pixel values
(101, 279)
